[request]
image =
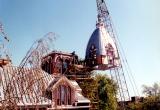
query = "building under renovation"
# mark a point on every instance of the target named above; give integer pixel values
(50, 82)
(34, 88)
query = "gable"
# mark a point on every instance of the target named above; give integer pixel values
(61, 81)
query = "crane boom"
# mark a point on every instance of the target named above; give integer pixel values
(39, 49)
(4, 35)
(4, 54)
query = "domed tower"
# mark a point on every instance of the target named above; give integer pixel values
(101, 51)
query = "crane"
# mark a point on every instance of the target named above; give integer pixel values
(39, 49)
(4, 55)
(4, 35)
(117, 73)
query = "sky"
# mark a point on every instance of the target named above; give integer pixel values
(137, 23)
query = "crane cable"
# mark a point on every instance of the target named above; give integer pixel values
(124, 60)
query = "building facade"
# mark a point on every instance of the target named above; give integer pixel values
(35, 89)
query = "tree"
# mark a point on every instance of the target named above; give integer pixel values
(151, 101)
(153, 90)
(152, 96)
(107, 90)
(101, 90)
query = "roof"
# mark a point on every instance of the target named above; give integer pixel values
(81, 99)
(60, 53)
(56, 82)
(99, 38)
(24, 85)
(78, 93)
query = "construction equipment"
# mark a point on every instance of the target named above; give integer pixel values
(118, 73)
(4, 35)
(4, 54)
(39, 49)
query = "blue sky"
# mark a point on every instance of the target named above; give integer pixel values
(137, 23)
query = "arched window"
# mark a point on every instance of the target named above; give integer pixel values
(64, 97)
(47, 65)
(110, 53)
(92, 55)
(58, 65)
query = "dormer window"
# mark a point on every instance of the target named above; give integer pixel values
(64, 95)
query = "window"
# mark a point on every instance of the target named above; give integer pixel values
(92, 55)
(0, 96)
(64, 96)
(47, 65)
(58, 65)
(110, 53)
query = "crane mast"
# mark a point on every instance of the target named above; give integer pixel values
(117, 73)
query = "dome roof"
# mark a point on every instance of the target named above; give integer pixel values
(99, 42)
(100, 39)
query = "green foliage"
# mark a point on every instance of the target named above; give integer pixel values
(152, 98)
(106, 92)
(151, 101)
(101, 90)
(135, 106)
(89, 90)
